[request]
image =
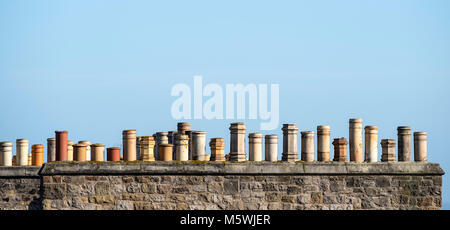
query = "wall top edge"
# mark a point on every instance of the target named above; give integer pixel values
(228, 168)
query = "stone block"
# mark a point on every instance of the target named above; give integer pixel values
(231, 187)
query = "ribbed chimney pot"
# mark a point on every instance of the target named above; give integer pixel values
(404, 143)
(88, 149)
(98, 152)
(237, 141)
(165, 151)
(37, 152)
(271, 148)
(355, 140)
(79, 152)
(129, 145)
(22, 146)
(307, 146)
(7, 158)
(51, 149)
(198, 145)
(181, 147)
(420, 146)
(147, 148)
(255, 147)
(371, 143)
(388, 150)
(161, 138)
(185, 129)
(323, 143)
(182, 127)
(217, 146)
(290, 133)
(70, 150)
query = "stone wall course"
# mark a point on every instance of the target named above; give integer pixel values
(222, 186)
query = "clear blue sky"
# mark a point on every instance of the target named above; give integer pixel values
(95, 68)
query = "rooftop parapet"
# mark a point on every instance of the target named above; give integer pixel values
(248, 168)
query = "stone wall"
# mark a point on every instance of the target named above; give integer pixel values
(20, 188)
(218, 185)
(162, 185)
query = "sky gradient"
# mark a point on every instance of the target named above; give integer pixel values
(95, 68)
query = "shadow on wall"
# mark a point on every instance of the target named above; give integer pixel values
(36, 203)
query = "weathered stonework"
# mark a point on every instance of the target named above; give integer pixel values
(20, 188)
(219, 185)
